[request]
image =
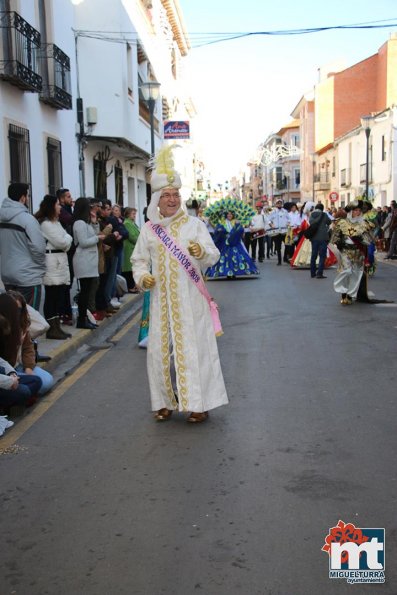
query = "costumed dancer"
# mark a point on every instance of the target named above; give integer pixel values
(370, 216)
(229, 216)
(351, 236)
(171, 252)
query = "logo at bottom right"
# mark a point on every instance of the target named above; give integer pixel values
(356, 554)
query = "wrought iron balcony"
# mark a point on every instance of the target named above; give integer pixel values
(55, 71)
(19, 43)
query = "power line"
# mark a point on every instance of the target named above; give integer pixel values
(201, 39)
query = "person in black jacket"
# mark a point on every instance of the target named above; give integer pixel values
(319, 241)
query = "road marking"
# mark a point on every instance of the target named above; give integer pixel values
(127, 327)
(386, 305)
(15, 433)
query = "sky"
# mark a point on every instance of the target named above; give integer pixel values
(245, 89)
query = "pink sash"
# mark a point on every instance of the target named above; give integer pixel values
(184, 260)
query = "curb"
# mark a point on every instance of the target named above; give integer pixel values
(60, 351)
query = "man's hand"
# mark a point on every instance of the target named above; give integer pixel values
(148, 281)
(195, 250)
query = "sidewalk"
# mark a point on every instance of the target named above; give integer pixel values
(60, 350)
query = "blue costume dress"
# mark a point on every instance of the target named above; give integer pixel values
(234, 260)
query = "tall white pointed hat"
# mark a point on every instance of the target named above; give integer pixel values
(164, 175)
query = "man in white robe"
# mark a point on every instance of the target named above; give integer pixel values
(180, 327)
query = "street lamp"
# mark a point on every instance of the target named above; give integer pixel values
(313, 160)
(150, 92)
(287, 176)
(367, 123)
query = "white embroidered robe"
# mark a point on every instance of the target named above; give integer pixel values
(180, 323)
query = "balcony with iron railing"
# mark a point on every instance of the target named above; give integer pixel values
(19, 45)
(55, 70)
(322, 181)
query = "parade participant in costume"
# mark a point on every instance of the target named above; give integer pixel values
(257, 233)
(351, 235)
(172, 250)
(294, 224)
(370, 216)
(229, 216)
(144, 325)
(303, 251)
(278, 226)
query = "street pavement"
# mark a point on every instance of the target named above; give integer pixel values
(98, 499)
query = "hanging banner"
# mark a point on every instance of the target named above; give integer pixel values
(176, 129)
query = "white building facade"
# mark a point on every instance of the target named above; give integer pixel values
(351, 150)
(37, 93)
(121, 45)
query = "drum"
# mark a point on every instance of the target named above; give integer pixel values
(275, 231)
(257, 234)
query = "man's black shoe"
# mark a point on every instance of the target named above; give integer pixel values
(321, 277)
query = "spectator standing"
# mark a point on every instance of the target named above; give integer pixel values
(128, 247)
(393, 233)
(114, 240)
(319, 241)
(85, 260)
(22, 246)
(66, 220)
(57, 276)
(123, 235)
(386, 228)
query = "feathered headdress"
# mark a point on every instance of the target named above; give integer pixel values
(219, 209)
(164, 174)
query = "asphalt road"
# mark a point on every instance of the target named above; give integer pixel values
(98, 499)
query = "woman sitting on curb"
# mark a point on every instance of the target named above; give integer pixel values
(26, 360)
(14, 390)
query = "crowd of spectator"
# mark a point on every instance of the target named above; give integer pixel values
(88, 240)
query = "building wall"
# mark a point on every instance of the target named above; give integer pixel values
(391, 83)
(102, 72)
(24, 109)
(324, 113)
(355, 94)
(351, 151)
